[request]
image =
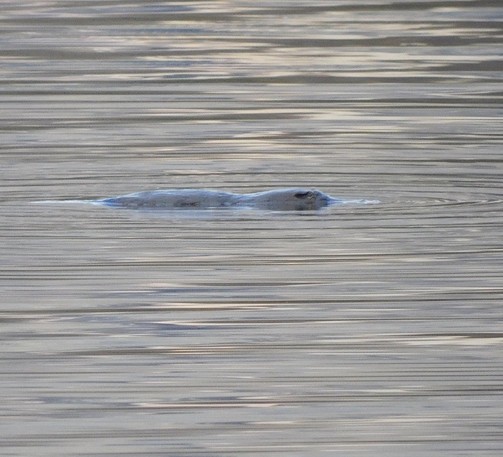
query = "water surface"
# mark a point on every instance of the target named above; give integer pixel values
(363, 330)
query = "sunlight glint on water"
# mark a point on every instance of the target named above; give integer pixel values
(363, 330)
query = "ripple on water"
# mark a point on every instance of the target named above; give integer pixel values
(363, 330)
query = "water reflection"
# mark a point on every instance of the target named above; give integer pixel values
(364, 330)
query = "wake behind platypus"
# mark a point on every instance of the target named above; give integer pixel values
(295, 199)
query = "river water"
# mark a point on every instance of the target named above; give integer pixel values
(363, 330)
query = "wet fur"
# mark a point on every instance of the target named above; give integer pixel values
(274, 200)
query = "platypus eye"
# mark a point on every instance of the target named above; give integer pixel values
(303, 195)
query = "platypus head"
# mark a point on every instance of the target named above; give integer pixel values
(311, 199)
(293, 200)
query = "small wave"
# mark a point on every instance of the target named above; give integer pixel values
(64, 202)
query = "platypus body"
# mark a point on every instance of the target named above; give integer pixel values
(273, 200)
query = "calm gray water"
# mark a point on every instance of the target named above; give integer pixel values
(364, 330)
